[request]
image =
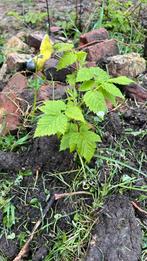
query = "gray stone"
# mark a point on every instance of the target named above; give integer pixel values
(16, 61)
(130, 65)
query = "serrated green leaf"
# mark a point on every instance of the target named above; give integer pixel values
(95, 101)
(86, 86)
(112, 89)
(63, 47)
(81, 57)
(99, 73)
(51, 125)
(74, 112)
(108, 96)
(69, 139)
(67, 59)
(71, 79)
(83, 140)
(84, 74)
(53, 107)
(87, 142)
(122, 80)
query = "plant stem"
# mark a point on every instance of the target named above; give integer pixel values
(34, 103)
(49, 20)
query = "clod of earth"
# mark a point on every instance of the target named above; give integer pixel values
(43, 155)
(117, 234)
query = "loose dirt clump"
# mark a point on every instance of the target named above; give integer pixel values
(117, 234)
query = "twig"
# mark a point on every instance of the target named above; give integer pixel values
(24, 251)
(49, 20)
(63, 195)
(137, 207)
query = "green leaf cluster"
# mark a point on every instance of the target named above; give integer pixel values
(67, 121)
(90, 90)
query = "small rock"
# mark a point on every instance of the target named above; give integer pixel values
(135, 91)
(101, 51)
(95, 35)
(51, 72)
(16, 84)
(16, 61)
(35, 39)
(129, 65)
(55, 29)
(9, 113)
(14, 44)
(52, 91)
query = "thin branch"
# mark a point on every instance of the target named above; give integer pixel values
(49, 20)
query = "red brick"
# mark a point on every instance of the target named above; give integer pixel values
(95, 35)
(16, 84)
(49, 91)
(9, 113)
(100, 51)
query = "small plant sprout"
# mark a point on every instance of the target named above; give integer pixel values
(35, 84)
(91, 88)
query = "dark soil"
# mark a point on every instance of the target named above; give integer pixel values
(117, 234)
(43, 154)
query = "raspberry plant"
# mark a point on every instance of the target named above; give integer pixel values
(90, 89)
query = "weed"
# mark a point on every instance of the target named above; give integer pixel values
(11, 143)
(67, 119)
(2, 258)
(69, 27)
(32, 18)
(123, 24)
(35, 84)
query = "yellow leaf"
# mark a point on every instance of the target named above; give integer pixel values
(46, 50)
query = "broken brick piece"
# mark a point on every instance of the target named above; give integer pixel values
(9, 113)
(52, 91)
(95, 35)
(101, 51)
(16, 84)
